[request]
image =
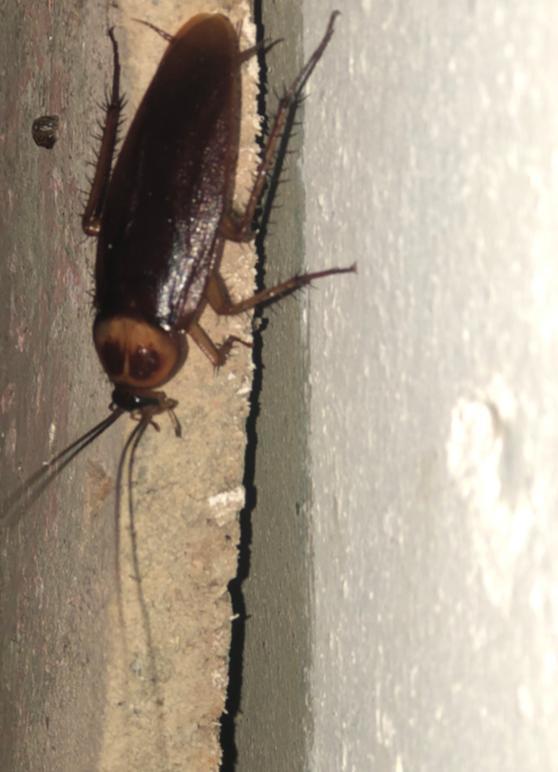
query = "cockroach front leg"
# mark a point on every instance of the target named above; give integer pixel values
(217, 355)
(236, 227)
(91, 219)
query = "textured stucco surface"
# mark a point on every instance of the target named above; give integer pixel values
(434, 396)
(76, 686)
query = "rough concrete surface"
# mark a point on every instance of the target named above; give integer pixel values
(434, 390)
(77, 689)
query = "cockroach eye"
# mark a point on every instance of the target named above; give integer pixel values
(136, 354)
(144, 362)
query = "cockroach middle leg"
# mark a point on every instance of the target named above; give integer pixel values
(219, 299)
(91, 219)
(235, 227)
(217, 355)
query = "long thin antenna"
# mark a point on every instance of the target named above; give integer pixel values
(124, 476)
(132, 441)
(30, 490)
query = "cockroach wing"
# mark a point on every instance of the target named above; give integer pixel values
(173, 179)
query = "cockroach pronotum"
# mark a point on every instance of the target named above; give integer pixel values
(161, 219)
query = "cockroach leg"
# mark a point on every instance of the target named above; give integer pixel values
(167, 407)
(235, 227)
(217, 355)
(219, 300)
(175, 422)
(91, 219)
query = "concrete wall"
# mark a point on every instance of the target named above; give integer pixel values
(430, 146)
(430, 157)
(401, 605)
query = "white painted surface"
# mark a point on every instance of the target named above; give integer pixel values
(431, 158)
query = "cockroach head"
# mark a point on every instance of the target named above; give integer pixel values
(145, 406)
(137, 356)
(125, 400)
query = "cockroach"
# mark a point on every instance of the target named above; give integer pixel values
(162, 216)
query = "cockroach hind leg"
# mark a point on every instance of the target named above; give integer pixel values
(239, 228)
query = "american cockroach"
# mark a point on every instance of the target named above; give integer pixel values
(161, 217)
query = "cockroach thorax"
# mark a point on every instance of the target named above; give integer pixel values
(137, 354)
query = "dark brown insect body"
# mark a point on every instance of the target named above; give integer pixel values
(161, 219)
(159, 236)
